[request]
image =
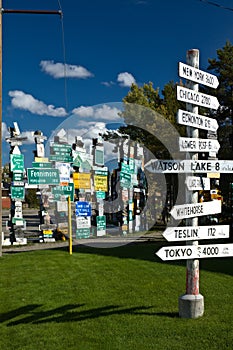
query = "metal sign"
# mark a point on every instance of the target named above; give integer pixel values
(17, 162)
(42, 165)
(184, 211)
(189, 166)
(192, 233)
(196, 251)
(197, 75)
(17, 193)
(196, 98)
(196, 183)
(191, 144)
(196, 120)
(82, 208)
(43, 176)
(66, 191)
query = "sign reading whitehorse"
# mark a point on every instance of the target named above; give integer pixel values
(184, 211)
(43, 176)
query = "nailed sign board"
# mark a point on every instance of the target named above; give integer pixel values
(196, 120)
(189, 166)
(191, 144)
(196, 251)
(196, 98)
(43, 176)
(196, 183)
(197, 75)
(192, 233)
(184, 211)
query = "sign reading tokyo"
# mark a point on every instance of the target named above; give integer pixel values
(196, 98)
(191, 144)
(196, 251)
(190, 233)
(185, 211)
(196, 120)
(188, 166)
(197, 75)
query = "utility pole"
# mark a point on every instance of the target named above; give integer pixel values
(39, 12)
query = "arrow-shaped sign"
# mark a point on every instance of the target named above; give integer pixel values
(184, 211)
(196, 120)
(196, 98)
(196, 251)
(197, 75)
(196, 183)
(191, 144)
(189, 166)
(192, 233)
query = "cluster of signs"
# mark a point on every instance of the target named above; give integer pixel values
(44, 174)
(194, 183)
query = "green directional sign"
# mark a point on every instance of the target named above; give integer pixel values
(43, 176)
(125, 180)
(17, 162)
(17, 193)
(18, 176)
(83, 233)
(59, 191)
(101, 222)
(100, 194)
(41, 165)
(64, 158)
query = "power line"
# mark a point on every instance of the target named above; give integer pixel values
(217, 5)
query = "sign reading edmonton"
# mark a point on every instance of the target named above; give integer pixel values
(197, 75)
(190, 233)
(196, 251)
(184, 211)
(196, 120)
(196, 98)
(191, 144)
(188, 166)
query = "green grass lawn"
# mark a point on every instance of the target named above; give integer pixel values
(118, 298)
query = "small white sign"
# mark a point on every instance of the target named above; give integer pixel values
(191, 144)
(196, 121)
(196, 183)
(197, 75)
(196, 251)
(196, 98)
(184, 211)
(192, 233)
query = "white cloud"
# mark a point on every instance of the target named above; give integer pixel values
(125, 79)
(104, 112)
(27, 102)
(108, 83)
(61, 70)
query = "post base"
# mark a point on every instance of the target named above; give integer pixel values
(191, 306)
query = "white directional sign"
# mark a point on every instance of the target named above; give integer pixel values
(192, 233)
(197, 98)
(196, 120)
(189, 166)
(196, 251)
(184, 211)
(191, 144)
(196, 183)
(197, 75)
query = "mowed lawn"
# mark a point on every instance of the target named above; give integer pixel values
(116, 298)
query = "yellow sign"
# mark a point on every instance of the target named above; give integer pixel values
(101, 183)
(41, 159)
(82, 180)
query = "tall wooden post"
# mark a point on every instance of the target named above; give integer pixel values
(1, 126)
(191, 305)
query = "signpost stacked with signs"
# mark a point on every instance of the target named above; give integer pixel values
(191, 305)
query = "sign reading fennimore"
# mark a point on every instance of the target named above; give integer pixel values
(196, 251)
(184, 211)
(43, 176)
(196, 98)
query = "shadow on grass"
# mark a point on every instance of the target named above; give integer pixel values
(69, 313)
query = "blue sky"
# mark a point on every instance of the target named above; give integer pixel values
(108, 45)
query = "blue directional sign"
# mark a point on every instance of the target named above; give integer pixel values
(82, 208)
